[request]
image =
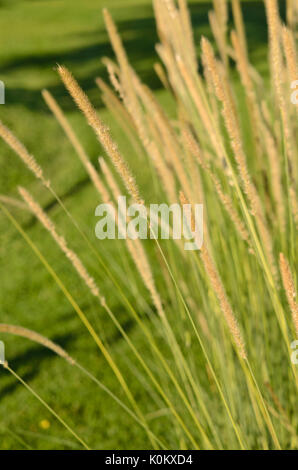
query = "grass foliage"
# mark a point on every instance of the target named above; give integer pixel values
(166, 348)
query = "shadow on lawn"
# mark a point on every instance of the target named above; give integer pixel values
(32, 358)
(140, 48)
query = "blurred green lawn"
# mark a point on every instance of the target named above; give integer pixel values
(35, 35)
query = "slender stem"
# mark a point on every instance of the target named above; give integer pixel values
(6, 366)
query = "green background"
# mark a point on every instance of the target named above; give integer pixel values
(35, 35)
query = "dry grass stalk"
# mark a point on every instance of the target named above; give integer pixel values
(219, 290)
(148, 143)
(200, 105)
(160, 24)
(218, 34)
(159, 124)
(174, 31)
(277, 67)
(120, 114)
(292, 14)
(231, 123)
(135, 247)
(204, 325)
(152, 110)
(232, 126)
(276, 176)
(289, 287)
(138, 117)
(37, 338)
(192, 167)
(278, 404)
(58, 113)
(140, 259)
(114, 80)
(211, 95)
(101, 131)
(224, 198)
(294, 205)
(271, 137)
(110, 178)
(98, 184)
(218, 22)
(163, 170)
(61, 242)
(187, 28)
(226, 308)
(184, 202)
(23, 153)
(115, 40)
(168, 58)
(125, 74)
(221, 10)
(251, 97)
(113, 101)
(166, 131)
(290, 53)
(162, 75)
(13, 202)
(239, 23)
(266, 238)
(117, 193)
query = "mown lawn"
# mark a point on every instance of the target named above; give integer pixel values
(35, 35)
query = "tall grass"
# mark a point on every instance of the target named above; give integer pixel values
(218, 336)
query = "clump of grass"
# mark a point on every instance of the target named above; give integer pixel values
(217, 317)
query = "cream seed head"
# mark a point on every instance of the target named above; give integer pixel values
(61, 242)
(23, 153)
(37, 338)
